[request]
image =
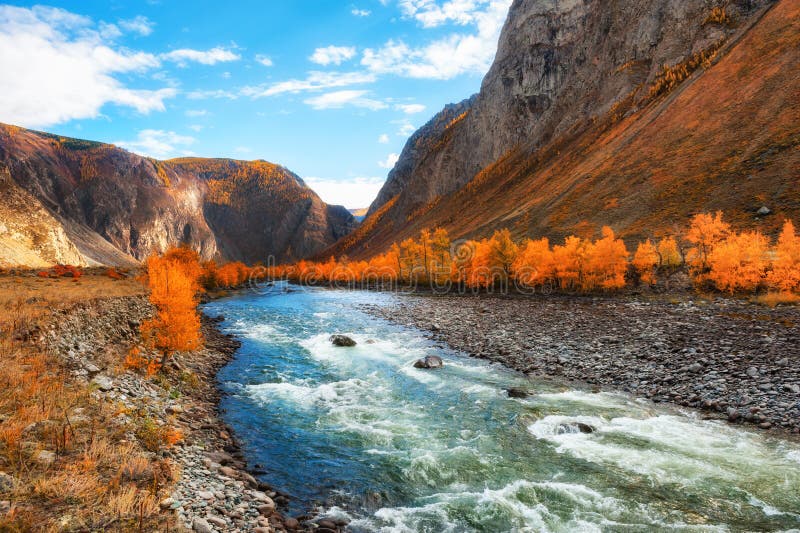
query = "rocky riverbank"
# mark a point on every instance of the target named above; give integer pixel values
(729, 358)
(214, 490)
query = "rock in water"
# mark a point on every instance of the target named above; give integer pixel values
(429, 361)
(517, 393)
(342, 341)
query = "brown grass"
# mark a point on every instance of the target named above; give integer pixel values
(98, 479)
(773, 299)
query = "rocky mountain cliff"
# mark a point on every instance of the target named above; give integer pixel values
(633, 113)
(73, 201)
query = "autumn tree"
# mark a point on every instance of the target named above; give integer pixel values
(502, 253)
(174, 285)
(739, 263)
(645, 261)
(606, 262)
(440, 252)
(785, 275)
(535, 263)
(569, 259)
(705, 232)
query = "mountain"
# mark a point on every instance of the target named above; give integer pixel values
(73, 201)
(631, 113)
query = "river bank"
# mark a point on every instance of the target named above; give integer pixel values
(213, 489)
(728, 358)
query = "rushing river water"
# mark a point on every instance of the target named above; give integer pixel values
(361, 433)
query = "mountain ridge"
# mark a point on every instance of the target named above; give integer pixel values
(96, 204)
(546, 147)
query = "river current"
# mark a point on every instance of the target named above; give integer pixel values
(360, 433)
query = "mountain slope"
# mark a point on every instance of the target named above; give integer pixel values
(578, 124)
(91, 203)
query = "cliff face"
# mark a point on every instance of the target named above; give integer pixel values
(91, 203)
(576, 81)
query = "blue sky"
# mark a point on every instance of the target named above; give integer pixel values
(331, 90)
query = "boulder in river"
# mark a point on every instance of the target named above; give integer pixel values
(577, 427)
(516, 393)
(429, 361)
(342, 341)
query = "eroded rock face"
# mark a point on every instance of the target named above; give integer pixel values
(560, 66)
(103, 205)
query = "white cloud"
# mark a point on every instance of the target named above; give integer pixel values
(339, 99)
(410, 109)
(361, 12)
(213, 93)
(213, 56)
(196, 113)
(264, 60)
(353, 193)
(383, 138)
(450, 56)
(391, 159)
(196, 127)
(57, 67)
(141, 25)
(406, 127)
(159, 144)
(332, 55)
(315, 81)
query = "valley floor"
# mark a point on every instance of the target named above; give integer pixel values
(730, 358)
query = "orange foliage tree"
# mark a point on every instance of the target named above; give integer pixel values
(606, 262)
(646, 260)
(785, 275)
(705, 232)
(535, 264)
(739, 263)
(174, 282)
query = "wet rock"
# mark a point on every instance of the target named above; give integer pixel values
(429, 361)
(342, 341)
(517, 393)
(291, 524)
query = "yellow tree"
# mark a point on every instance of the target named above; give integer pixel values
(739, 263)
(502, 253)
(606, 263)
(785, 275)
(646, 260)
(705, 232)
(568, 259)
(440, 250)
(174, 287)
(535, 263)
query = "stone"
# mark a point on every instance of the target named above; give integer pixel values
(45, 457)
(343, 341)
(329, 524)
(205, 494)
(267, 508)
(6, 481)
(752, 372)
(217, 521)
(200, 525)
(764, 211)
(516, 393)
(166, 503)
(695, 367)
(104, 383)
(291, 524)
(429, 361)
(174, 409)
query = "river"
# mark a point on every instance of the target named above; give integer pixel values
(359, 433)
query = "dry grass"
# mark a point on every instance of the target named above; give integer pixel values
(773, 299)
(74, 467)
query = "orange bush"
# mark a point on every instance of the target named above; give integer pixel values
(739, 263)
(705, 232)
(606, 262)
